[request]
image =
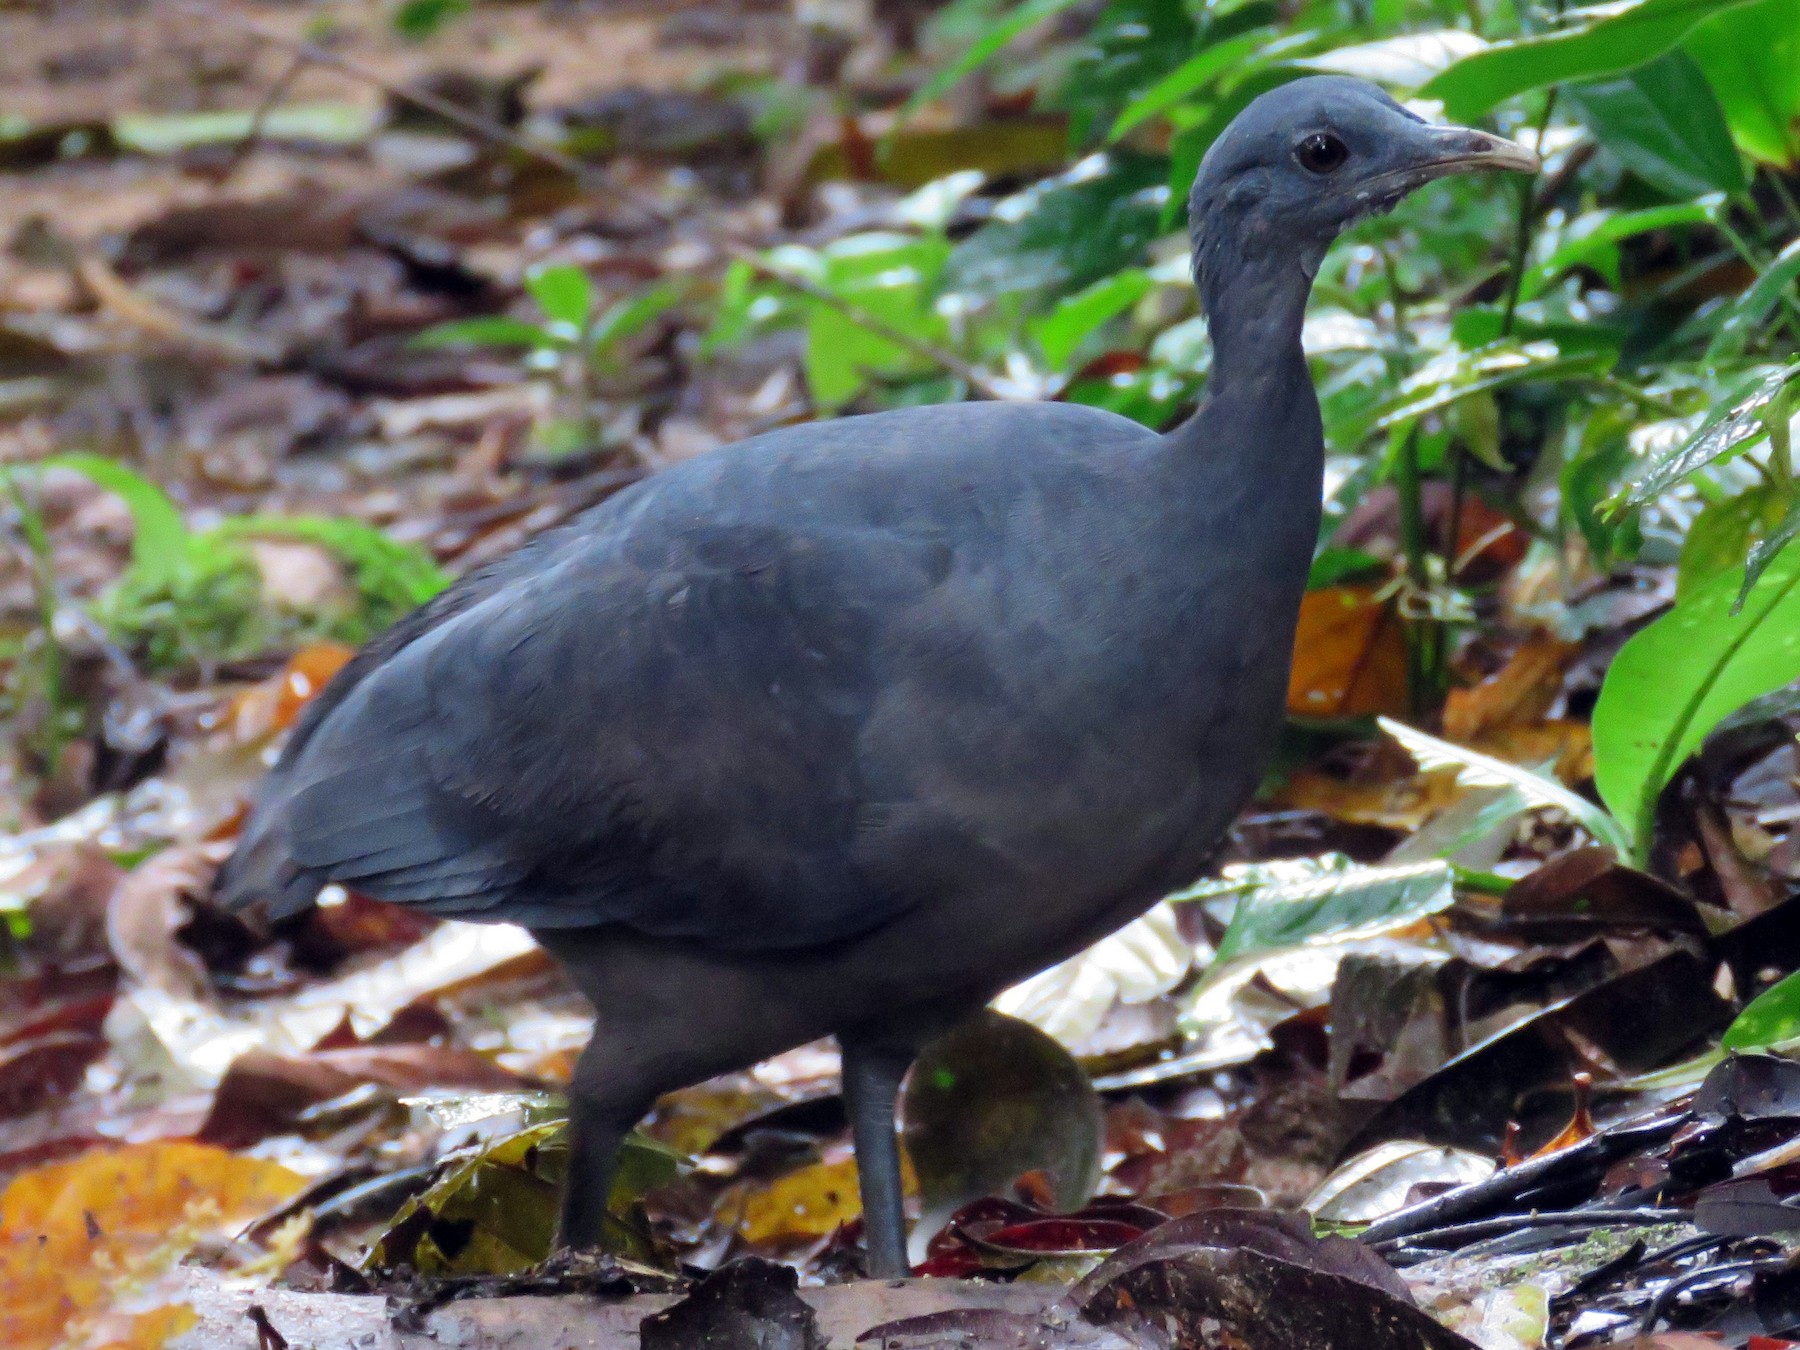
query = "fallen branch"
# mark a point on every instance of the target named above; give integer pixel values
(115, 295)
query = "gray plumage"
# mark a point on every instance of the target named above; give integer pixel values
(841, 729)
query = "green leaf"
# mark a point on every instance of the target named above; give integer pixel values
(160, 542)
(1765, 550)
(1474, 769)
(1066, 232)
(1771, 1018)
(490, 330)
(1676, 680)
(1751, 56)
(1286, 904)
(1010, 25)
(1664, 123)
(392, 577)
(1191, 76)
(629, 316)
(1064, 328)
(1455, 374)
(1597, 232)
(1721, 536)
(420, 19)
(1743, 318)
(1618, 42)
(563, 292)
(1736, 422)
(888, 277)
(170, 133)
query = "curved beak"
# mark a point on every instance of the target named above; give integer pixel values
(1451, 150)
(1426, 153)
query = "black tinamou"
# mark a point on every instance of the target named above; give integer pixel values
(842, 729)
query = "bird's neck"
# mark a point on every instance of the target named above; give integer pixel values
(1253, 287)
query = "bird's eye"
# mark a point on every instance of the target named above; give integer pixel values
(1321, 153)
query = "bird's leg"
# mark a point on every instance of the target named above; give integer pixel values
(872, 1073)
(599, 1120)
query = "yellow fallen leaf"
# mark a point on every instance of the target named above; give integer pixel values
(809, 1203)
(77, 1236)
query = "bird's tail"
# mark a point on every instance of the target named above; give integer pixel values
(261, 878)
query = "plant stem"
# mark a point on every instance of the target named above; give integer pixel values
(1522, 225)
(1420, 666)
(43, 570)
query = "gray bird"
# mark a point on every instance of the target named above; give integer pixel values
(842, 729)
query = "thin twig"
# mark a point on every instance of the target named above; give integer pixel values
(252, 138)
(977, 380)
(473, 123)
(116, 295)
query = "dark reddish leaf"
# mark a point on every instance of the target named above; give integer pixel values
(264, 1094)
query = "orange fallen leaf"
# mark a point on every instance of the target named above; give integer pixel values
(76, 1235)
(1395, 804)
(1520, 692)
(1349, 656)
(273, 705)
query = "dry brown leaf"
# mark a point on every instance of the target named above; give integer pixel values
(1399, 804)
(1349, 656)
(263, 1094)
(147, 909)
(1520, 692)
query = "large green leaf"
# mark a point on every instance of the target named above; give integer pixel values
(1621, 40)
(1061, 234)
(1064, 328)
(1474, 769)
(1731, 426)
(1677, 679)
(563, 292)
(887, 278)
(1771, 1018)
(1664, 123)
(1751, 55)
(1285, 904)
(1192, 76)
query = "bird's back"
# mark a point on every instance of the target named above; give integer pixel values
(779, 695)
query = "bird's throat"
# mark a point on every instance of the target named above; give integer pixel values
(1255, 298)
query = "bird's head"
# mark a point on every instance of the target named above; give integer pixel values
(1308, 158)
